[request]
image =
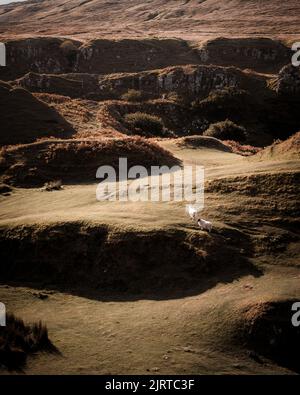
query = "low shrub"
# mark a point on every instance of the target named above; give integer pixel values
(70, 51)
(144, 124)
(226, 130)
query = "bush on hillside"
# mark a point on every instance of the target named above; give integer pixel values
(226, 130)
(70, 50)
(144, 124)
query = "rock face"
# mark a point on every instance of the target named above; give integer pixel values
(260, 54)
(25, 118)
(56, 56)
(40, 55)
(60, 56)
(288, 81)
(189, 80)
(114, 56)
(72, 85)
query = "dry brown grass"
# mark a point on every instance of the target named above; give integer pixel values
(240, 149)
(189, 19)
(18, 340)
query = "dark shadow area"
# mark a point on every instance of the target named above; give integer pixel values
(269, 331)
(24, 118)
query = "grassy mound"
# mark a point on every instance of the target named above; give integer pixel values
(76, 160)
(18, 340)
(24, 118)
(203, 141)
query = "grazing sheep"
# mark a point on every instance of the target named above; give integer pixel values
(204, 225)
(193, 213)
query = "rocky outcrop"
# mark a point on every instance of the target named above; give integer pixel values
(39, 55)
(196, 81)
(114, 56)
(60, 56)
(72, 85)
(260, 54)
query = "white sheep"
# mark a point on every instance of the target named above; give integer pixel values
(204, 225)
(193, 213)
